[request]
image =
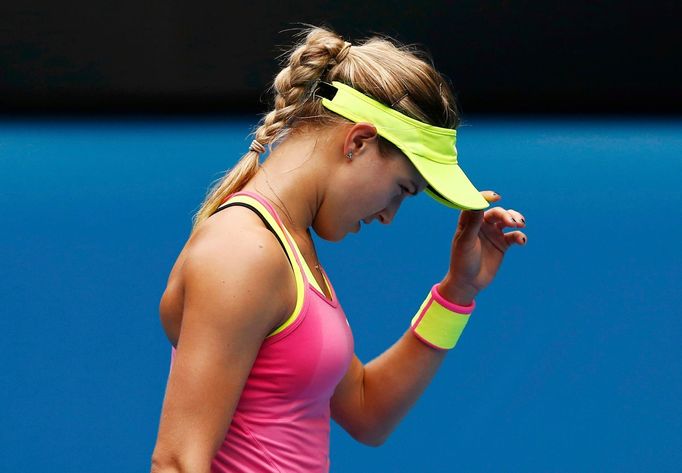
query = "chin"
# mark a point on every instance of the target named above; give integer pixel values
(333, 234)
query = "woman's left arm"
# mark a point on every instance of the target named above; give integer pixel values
(370, 400)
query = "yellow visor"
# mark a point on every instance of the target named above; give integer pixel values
(430, 148)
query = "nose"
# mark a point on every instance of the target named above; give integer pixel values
(387, 215)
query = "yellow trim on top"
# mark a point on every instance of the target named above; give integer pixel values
(308, 271)
(306, 268)
(300, 283)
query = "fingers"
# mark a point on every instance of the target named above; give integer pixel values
(517, 238)
(504, 218)
(491, 196)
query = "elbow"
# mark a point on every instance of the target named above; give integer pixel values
(173, 464)
(370, 437)
(374, 441)
(160, 465)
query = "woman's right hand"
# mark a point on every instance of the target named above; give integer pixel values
(478, 248)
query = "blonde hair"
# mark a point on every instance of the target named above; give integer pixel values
(401, 76)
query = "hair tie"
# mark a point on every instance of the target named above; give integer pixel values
(343, 53)
(257, 147)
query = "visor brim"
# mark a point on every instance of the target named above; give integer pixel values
(449, 185)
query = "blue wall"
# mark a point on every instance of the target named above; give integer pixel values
(572, 361)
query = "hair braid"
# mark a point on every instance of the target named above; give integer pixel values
(307, 63)
(400, 76)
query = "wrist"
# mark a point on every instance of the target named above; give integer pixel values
(439, 322)
(456, 293)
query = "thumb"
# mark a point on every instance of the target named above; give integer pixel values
(469, 224)
(470, 221)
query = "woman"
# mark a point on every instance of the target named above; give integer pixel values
(263, 354)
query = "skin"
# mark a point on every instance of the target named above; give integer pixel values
(214, 294)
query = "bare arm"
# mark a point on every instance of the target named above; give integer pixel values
(238, 288)
(370, 400)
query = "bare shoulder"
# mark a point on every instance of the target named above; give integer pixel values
(237, 286)
(233, 261)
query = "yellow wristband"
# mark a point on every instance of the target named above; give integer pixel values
(439, 322)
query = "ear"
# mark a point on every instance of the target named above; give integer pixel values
(359, 137)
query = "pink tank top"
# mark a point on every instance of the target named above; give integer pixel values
(282, 421)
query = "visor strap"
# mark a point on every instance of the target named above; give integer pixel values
(438, 323)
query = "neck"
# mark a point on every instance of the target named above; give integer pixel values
(293, 179)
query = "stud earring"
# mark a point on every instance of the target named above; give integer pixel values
(349, 155)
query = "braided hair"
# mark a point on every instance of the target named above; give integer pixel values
(400, 76)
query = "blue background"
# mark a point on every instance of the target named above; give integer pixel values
(572, 361)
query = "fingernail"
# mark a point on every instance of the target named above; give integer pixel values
(495, 193)
(523, 220)
(514, 219)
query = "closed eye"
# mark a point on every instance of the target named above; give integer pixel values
(407, 191)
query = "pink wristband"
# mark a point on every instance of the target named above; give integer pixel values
(438, 323)
(460, 309)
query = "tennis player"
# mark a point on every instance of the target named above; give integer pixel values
(262, 353)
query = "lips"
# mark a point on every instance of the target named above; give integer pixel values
(366, 221)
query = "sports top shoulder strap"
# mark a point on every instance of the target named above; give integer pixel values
(265, 222)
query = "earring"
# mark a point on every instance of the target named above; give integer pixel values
(349, 155)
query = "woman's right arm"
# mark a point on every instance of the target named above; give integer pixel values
(237, 289)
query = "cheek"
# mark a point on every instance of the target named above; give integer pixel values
(379, 197)
(363, 200)
(356, 197)
(366, 189)
(360, 205)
